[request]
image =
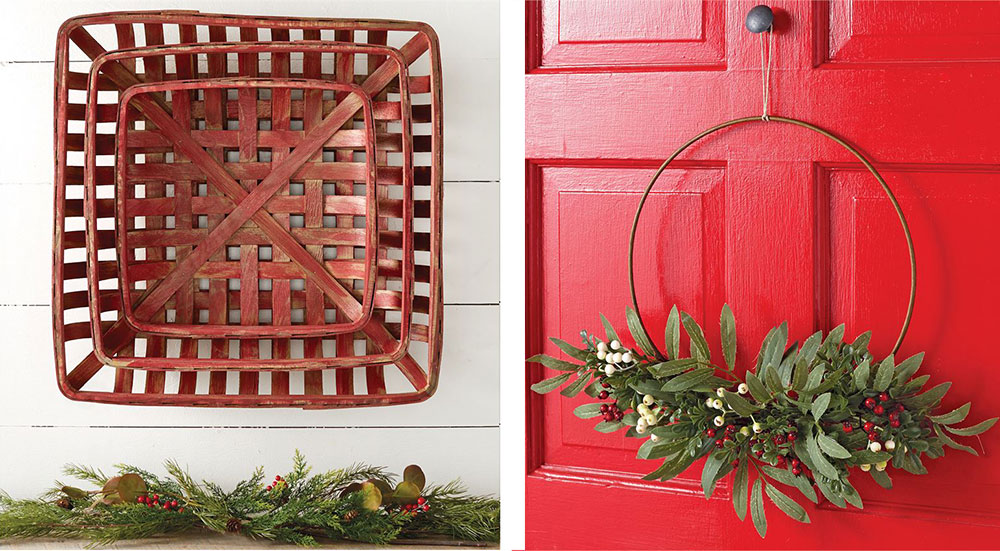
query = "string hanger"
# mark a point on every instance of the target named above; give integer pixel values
(760, 20)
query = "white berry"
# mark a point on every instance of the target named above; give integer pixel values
(719, 420)
(601, 347)
(881, 466)
(654, 438)
(745, 431)
(890, 445)
(641, 423)
(627, 357)
(601, 354)
(708, 401)
(643, 409)
(720, 392)
(641, 428)
(717, 404)
(609, 370)
(617, 358)
(757, 428)
(866, 467)
(648, 399)
(615, 345)
(875, 447)
(742, 389)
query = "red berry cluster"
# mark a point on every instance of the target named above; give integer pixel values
(154, 501)
(879, 407)
(421, 506)
(611, 412)
(277, 480)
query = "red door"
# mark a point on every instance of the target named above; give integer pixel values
(772, 220)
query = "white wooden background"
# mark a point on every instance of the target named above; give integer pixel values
(454, 434)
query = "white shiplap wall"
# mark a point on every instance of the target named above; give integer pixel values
(454, 434)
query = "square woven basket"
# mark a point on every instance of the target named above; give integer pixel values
(218, 359)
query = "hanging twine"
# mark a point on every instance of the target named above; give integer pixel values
(765, 71)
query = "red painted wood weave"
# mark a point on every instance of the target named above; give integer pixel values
(255, 216)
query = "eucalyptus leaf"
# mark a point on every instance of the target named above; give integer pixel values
(883, 376)
(927, 399)
(739, 404)
(819, 461)
(609, 426)
(954, 416)
(757, 508)
(908, 367)
(609, 330)
(787, 505)
(829, 493)
(861, 375)
(672, 367)
(688, 380)
(974, 429)
(728, 327)
(576, 386)
(810, 347)
(570, 350)
(741, 482)
(639, 333)
(699, 346)
(819, 405)
(757, 389)
(548, 385)
(881, 478)
(831, 447)
(948, 441)
(713, 463)
(586, 411)
(672, 335)
(554, 363)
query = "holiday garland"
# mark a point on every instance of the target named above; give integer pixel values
(357, 503)
(806, 416)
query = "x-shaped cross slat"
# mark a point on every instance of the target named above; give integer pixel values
(249, 207)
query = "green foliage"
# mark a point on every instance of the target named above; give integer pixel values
(297, 508)
(797, 419)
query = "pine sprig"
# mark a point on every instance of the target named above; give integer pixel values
(806, 417)
(298, 508)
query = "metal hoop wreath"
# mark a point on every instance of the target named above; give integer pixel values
(818, 130)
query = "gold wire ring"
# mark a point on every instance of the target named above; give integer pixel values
(818, 130)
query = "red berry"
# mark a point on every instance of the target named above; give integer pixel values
(847, 426)
(869, 426)
(609, 417)
(795, 462)
(149, 503)
(603, 395)
(181, 510)
(869, 403)
(893, 415)
(604, 408)
(718, 443)
(277, 477)
(736, 462)
(883, 397)
(793, 395)
(619, 415)
(781, 461)
(894, 423)
(166, 506)
(872, 436)
(173, 504)
(140, 499)
(879, 410)
(605, 385)
(727, 438)
(792, 436)
(269, 488)
(427, 507)
(779, 440)
(759, 453)
(156, 497)
(796, 471)
(900, 408)
(710, 432)
(421, 501)
(730, 429)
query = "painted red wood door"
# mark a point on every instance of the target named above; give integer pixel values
(771, 220)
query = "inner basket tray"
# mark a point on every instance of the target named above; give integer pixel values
(344, 387)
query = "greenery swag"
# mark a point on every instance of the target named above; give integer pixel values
(804, 417)
(359, 503)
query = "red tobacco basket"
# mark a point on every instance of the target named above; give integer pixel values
(237, 210)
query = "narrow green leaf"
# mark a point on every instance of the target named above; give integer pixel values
(776, 346)
(586, 411)
(739, 404)
(948, 441)
(757, 389)
(851, 494)
(882, 478)
(570, 350)
(673, 334)
(929, 398)
(576, 386)
(954, 416)
(819, 405)
(883, 376)
(978, 428)
(828, 492)
(810, 347)
(831, 447)
(672, 367)
(861, 375)
(639, 333)
(787, 505)
(819, 461)
(548, 385)
(728, 323)
(688, 380)
(908, 367)
(554, 363)
(763, 349)
(834, 338)
(870, 457)
(772, 380)
(699, 346)
(785, 476)
(757, 508)
(609, 426)
(741, 482)
(656, 450)
(815, 378)
(713, 463)
(861, 343)
(609, 330)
